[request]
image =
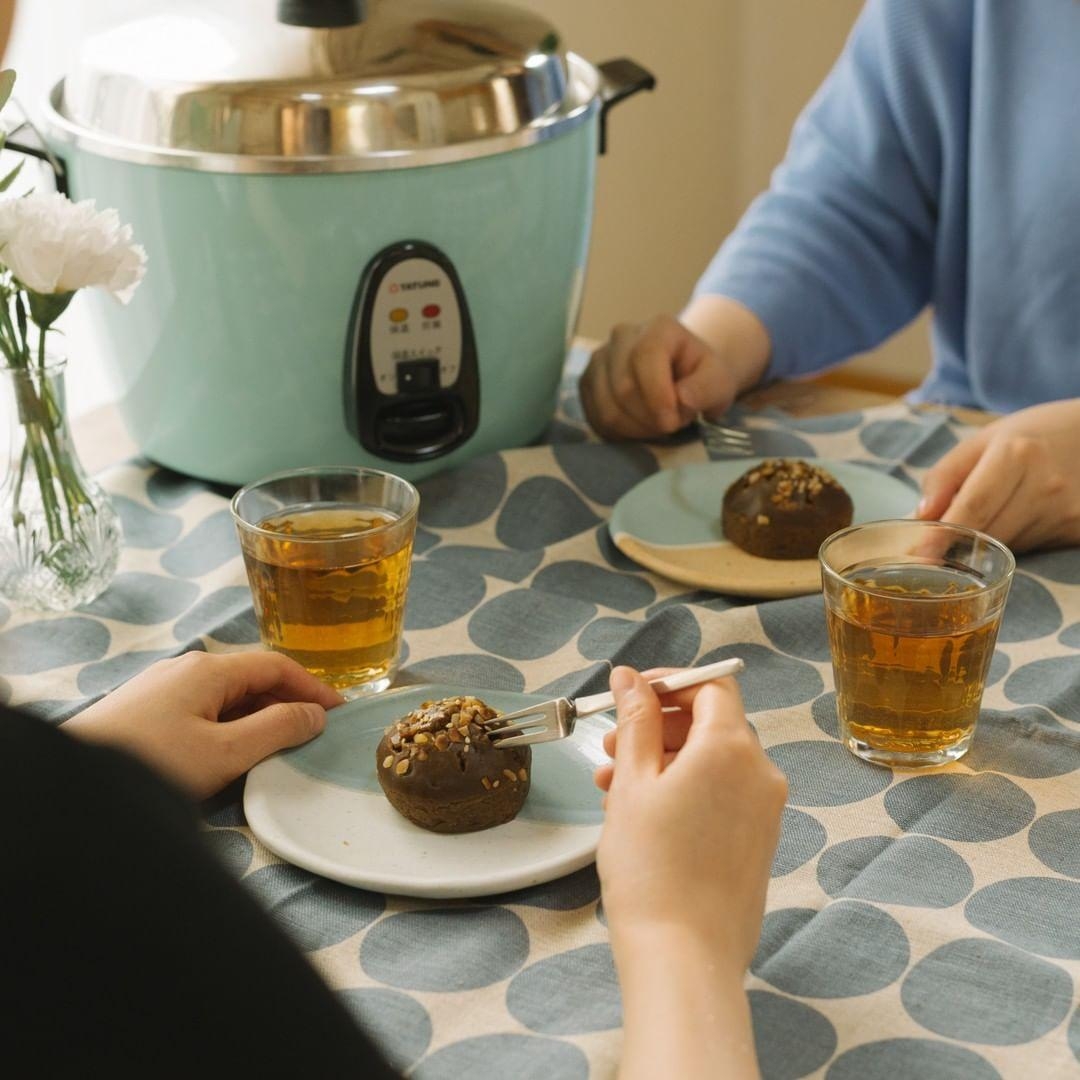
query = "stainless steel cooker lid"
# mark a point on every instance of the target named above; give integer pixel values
(416, 82)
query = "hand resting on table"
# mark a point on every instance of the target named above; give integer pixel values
(170, 716)
(1017, 479)
(652, 379)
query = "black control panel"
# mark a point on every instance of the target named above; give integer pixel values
(412, 383)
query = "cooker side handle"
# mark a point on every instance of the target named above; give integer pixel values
(619, 79)
(40, 150)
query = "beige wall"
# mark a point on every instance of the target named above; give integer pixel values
(667, 185)
(684, 162)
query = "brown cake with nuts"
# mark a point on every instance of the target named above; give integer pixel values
(784, 508)
(439, 768)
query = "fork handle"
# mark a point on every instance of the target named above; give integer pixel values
(594, 703)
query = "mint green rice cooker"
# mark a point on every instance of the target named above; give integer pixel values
(367, 229)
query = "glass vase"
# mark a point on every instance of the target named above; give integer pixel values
(59, 533)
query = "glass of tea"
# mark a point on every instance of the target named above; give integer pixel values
(328, 553)
(913, 610)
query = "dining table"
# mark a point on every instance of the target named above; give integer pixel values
(920, 924)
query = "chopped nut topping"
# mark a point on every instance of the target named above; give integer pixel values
(523, 775)
(486, 782)
(510, 775)
(388, 761)
(763, 519)
(402, 767)
(794, 482)
(437, 725)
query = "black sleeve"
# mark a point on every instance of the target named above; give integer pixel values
(127, 948)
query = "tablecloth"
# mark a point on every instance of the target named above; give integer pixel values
(918, 925)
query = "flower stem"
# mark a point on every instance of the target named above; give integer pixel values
(20, 319)
(17, 354)
(44, 474)
(7, 341)
(74, 494)
(69, 485)
(41, 419)
(17, 516)
(39, 428)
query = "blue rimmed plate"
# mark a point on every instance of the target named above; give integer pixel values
(670, 523)
(320, 807)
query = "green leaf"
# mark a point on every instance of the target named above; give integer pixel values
(7, 84)
(7, 181)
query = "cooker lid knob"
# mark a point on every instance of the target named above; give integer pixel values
(320, 13)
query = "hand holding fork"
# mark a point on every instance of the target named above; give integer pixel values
(555, 719)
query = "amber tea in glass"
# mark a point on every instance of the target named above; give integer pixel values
(913, 610)
(328, 553)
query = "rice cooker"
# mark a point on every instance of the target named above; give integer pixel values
(367, 226)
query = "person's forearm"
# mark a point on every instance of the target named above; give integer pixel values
(734, 332)
(685, 1012)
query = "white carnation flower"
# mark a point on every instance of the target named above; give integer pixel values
(55, 246)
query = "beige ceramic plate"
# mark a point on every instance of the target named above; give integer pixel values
(670, 523)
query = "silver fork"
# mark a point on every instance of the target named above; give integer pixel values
(724, 441)
(555, 719)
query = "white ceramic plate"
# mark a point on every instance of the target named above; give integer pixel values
(670, 523)
(320, 807)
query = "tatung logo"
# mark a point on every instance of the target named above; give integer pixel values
(424, 283)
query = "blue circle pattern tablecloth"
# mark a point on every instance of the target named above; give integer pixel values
(922, 926)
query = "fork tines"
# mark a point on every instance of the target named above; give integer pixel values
(545, 722)
(723, 440)
(524, 720)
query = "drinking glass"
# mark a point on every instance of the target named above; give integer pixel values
(328, 553)
(913, 610)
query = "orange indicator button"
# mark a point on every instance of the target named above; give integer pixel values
(399, 315)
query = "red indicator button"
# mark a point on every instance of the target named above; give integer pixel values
(432, 311)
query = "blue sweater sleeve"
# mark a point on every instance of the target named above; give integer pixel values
(839, 252)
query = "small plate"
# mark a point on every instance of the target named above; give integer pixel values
(320, 807)
(670, 523)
